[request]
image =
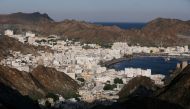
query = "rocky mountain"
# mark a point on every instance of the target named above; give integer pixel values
(38, 83)
(12, 99)
(21, 81)
(168, 26)
(87, 32)
(158, 32)
(139, 93)
(167, 31)
(7, 44)
(178, 91)
(138, 86)
(25, 18)
(53, 81)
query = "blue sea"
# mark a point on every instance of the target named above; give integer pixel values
(123, 25)
(158, 65)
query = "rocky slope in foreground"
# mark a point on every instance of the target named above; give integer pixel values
(12, 99)
(141, 103)
(145, 94)
(38, 83)
(178, 91)
(159, 32)
(138, 86)
(54, 81)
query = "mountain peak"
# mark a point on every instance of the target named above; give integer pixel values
(25, 18)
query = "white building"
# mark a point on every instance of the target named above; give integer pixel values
(158, 79)
(134, 72)
(31, 37)
(186, 48)
(30, 34)
(8, 33)
(119, 45)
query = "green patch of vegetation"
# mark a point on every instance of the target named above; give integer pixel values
(106, 45)
(118, 81)
(87, 47)
(43, 40)
(52, 95)
(109, 87)
(81, 79)
(38, 41)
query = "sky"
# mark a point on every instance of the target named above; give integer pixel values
(101, 10)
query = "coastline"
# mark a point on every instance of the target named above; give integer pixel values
(107, 64)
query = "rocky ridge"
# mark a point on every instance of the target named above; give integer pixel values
(39, 82)
(158, 32)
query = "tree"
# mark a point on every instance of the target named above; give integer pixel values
(106, 45)
(118, 81)
(43, 40)
(87, 47)
(81, 79)
(109, 87)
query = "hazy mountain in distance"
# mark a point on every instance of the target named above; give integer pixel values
(158, 32)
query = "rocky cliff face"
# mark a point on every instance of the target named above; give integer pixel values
(178, 91)
(159, 32)
(138, 86)
(20, 81)
(53, 81)
(38, 83)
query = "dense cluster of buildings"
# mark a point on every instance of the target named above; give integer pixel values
(72, 59)
(176, 50)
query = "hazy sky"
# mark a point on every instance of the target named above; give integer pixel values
(102, 10)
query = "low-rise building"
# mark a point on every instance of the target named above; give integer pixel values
(8, 33)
